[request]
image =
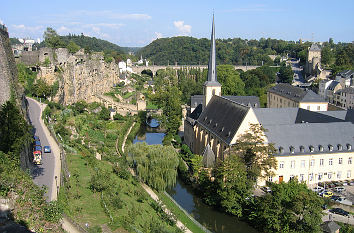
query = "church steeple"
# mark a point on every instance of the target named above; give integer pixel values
(212, 57)
(211, 86)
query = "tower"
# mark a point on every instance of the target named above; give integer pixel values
(211, 86)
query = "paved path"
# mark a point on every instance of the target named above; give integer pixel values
(45, 173)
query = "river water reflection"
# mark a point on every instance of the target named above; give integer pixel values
(183, 194)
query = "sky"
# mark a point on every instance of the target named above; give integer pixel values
(137, 23)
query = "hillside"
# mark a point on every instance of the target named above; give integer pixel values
(189, 50)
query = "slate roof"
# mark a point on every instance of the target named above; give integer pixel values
(330, 227)
(348, 90)
(251, 101)
(333, 85)
(315, 47)
(309, 135)
(295, 93)
(208, 157)
(296, 127)
(346, 73)
(196, 113)
(223, 117)
(196, 100)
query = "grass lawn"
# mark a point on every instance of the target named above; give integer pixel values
(150, 105)
(181, 216)
(127, 95)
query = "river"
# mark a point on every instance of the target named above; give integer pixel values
(212, 219)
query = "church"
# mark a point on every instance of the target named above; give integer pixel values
(311, 146)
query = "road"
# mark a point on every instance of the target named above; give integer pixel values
(298, 78)
(45, 173)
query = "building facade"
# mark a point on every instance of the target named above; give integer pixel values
(284, 95)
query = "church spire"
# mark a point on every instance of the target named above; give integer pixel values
(212, 58)
(211, 86)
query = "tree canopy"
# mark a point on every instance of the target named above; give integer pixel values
(156, 165)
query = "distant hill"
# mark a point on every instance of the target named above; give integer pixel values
(193, 51)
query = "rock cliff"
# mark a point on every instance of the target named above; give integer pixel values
(81, 76)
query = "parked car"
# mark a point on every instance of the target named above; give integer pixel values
(266, 189)
(36, 138)
(339, 189)
(335, 198)
(37, 143)
(47, 149)
(326, 194)
(318, 189)
(337, 183)
(339, 211)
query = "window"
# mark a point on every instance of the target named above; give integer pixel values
(330, 162)
(302, 148)
(321, 162)
(310, 176)
(291, 177)
(339, 174)
(292, 165)
(330, 147)
(308, 107)
(312, 163)
(281, 164)
(349, 173)
(340, 161)
(302, 163)
(340, 147)
(292, 149)
(312, 149)
(270, 178)
(349, 147)
(350, 160)
(318, 108)
(320, 175)
(301, 177)
(320, 148)
(329, 175)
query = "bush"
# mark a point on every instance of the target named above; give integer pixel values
(121, 171)
(118, 117)
(53, 212)
(100, 181)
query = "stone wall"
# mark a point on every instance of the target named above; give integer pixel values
(9, 86)
(81, 76)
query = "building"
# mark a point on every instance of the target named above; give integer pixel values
(313, 62)
(311, 146)
(284, 95)
(346, 78)
(327, 88)
(344, 98)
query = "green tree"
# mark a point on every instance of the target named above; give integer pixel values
(230, 80)
(156, 165)
(52, 39)
(327, 56)
(72, 47)
(42, 89)
(104, 114)
(13, 128)
(286, 74)
(291, 207)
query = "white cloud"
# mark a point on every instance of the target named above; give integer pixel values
(22, 27)
(63, 30)
(1, 22)
(183, 29)
(113, 15)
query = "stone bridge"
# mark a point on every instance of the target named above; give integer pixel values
(139, 69)
(122, 108)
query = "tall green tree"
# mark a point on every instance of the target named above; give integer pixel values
(72, 47)
(156, 165)
(286, 74)
(327, 56)
(291, 207)
(52, 39)
(230, 80)
(13, 128)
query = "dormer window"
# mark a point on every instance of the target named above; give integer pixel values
(330, 147)
(349, 147)
(216, 125)
(205, 118)
(281, 150)
(302, 149)
(228, 134)
(312, 149)
(222, 129)
(320, 148)
(292, 149)
(340, 147)
(209, 122)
